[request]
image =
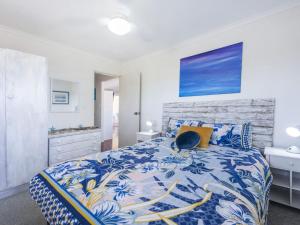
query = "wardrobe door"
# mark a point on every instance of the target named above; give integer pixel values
(26, 116)
(2, 122)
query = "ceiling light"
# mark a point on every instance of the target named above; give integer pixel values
(119, 26)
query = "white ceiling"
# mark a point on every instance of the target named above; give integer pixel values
(157, 23)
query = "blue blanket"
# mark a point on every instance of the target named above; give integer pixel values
(150, 183)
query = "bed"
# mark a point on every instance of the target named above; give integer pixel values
(151, 183)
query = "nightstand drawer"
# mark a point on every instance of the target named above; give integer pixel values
(279, 162)
(284, 163)
(296, 165)
(144, 136)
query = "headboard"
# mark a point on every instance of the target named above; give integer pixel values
(260, 112)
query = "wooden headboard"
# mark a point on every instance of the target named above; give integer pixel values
(260, 112)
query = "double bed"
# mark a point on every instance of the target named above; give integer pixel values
(151, 183)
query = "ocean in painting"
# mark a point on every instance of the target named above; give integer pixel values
(210, 73)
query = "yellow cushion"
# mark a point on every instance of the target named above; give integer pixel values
(204, 133)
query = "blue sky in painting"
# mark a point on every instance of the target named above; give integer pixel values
(213, 72)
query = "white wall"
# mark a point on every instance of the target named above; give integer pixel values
(271, 68)
(64, 63)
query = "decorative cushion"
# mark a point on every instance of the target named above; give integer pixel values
(175, 124)
(231, 135)
(204, 133)
(187, 140)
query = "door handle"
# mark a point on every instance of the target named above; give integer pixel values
(136, 113)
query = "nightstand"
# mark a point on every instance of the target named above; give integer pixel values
(285, 167)
(144, 136)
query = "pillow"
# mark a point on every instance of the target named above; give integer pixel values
(175, 124)
(204, 133)
(187, 140)
(231, 135)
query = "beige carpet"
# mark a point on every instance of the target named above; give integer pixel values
(21, 210)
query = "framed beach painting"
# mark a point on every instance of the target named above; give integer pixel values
(60, 97)
(211, 73)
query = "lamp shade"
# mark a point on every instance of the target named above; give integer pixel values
(150, 125)
(293, 131)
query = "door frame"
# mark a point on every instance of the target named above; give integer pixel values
(112, 76)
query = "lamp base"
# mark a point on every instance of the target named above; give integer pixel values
(294, 149)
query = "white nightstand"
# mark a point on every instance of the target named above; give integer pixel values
(144, 136)
(285, 167)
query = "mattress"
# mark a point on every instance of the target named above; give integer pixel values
(151, 183)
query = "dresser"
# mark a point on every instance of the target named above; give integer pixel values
(285, 168)
(71, 144)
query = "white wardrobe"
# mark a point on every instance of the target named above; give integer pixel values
(23, 117)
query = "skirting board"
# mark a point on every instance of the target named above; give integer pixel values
(13, 191)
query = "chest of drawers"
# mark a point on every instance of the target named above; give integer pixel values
(73, 145)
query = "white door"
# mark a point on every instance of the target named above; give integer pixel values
(107, 106)
(26, 116)
(129, 114)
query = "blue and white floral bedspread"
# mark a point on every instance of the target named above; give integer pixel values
(149, 183)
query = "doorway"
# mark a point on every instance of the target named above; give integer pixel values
(106, 110)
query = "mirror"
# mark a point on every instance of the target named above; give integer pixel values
(64, 96)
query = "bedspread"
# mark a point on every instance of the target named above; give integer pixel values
(150, 183)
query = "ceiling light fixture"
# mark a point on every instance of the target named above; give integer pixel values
(119, 26)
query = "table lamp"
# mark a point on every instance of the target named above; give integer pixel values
(149, 124)
(293, 132)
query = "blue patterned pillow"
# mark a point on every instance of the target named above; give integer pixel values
(231, 135)
(246, 137)
(175, 124)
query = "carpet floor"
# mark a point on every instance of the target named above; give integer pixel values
(21, 210)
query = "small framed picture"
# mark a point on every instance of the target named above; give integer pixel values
(60, 97)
